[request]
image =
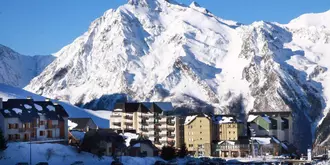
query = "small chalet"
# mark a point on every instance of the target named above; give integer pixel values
(103, 141)
(142, 148)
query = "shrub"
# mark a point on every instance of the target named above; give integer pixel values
(168, 153)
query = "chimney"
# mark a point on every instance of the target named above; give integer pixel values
(1, 103)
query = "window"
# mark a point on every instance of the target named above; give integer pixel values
(200, 126)
(41, 133)
(285, 123)
(229, 132)
(10, 126)
(42, 122)
(201, 132)
(10, 137)
(228, 125)
(16, 126)
(49, 134)
(200, 121)
(17, 136)
(191, 145)
(229, 138)
(201, 138)
(200, 146)
(233, 132)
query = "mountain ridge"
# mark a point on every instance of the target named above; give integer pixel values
(17, 70)
(161, 51)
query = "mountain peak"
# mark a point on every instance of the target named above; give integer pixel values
(149, 3)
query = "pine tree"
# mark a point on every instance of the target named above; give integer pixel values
(168, 153)
(3, 142)
(183, 152)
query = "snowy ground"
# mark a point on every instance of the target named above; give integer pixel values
(61, 154)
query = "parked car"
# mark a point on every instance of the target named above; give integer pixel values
(205, 159)
(191, 162)
(78, 163)
(172, 162)
(159, 162)
(116, 163)
(218, 161)
(42, 163)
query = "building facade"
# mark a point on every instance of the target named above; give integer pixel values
(198, 134)
(25, 120)
(278, 124)
(154, 120)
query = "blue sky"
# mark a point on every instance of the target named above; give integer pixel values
(45, 26)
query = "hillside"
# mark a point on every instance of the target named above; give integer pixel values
(160, 50)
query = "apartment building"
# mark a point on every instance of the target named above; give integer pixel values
(155, 120)
(26, 119)
(277, 124)
(227, 127)
(198, 134)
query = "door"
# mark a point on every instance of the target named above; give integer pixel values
(61, 125)
(49, 134)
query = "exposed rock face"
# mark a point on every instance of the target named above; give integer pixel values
(18, 70)
(163, 51)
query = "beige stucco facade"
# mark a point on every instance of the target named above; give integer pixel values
(198, 136)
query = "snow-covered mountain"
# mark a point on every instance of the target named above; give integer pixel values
(160, 50)
(18, 70)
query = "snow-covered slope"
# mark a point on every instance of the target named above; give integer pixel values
(101, 118)
(17, 70)
(159, 50)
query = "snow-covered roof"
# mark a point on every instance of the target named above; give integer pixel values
(137, 145)
(17, 110)
(262, 140)
(79, 135)
(27, 106)
(129, 136)
(267, 119)
(223, 119)
(227, 141)
(38, 107)
(50, 107)
(251, 118)
(189, 119)
(7, 111)
(71, 124)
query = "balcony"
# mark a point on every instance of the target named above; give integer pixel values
(144, 130)
(23, 129)
(170, 135)
(48, 126)
(128, 117)
(116, 115)
(118, 124)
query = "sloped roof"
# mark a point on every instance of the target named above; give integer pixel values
(27, 110)
(191, 118)
(81, 122)
(145, 107)
(223, 119)
(137, 143)
(93, 138)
